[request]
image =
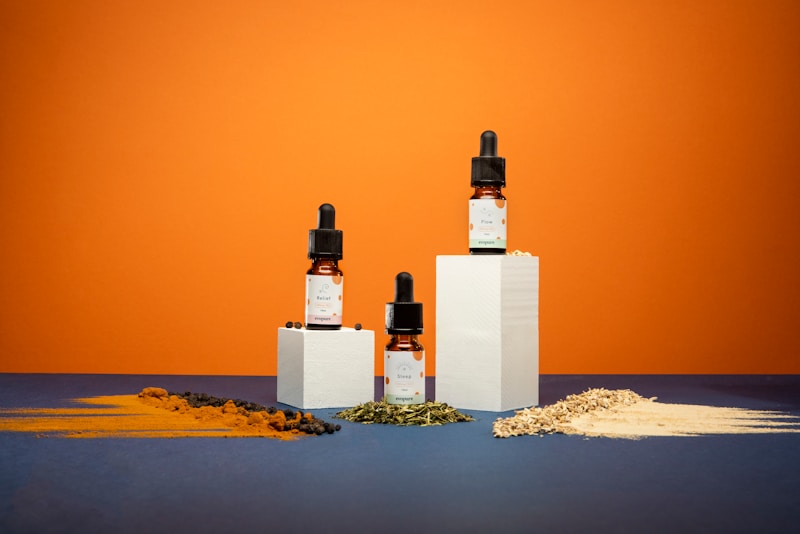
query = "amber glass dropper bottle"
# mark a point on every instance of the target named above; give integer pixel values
(324, 280)
(404, 355)
(488, 209)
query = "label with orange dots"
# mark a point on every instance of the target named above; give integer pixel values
(324, 299)
(487, 223)
(404, 376)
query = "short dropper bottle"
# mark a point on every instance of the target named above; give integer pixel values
(404, 355)
(488, 215)
(324, 280)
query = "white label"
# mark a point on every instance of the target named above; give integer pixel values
(404, 376)
(324, 299)
(487, 223)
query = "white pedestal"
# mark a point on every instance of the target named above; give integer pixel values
(325, 368)
(487, 332)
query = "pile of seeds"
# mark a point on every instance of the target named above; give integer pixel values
(556, 417)
(518, 252)
(428, 413)
(303, 422)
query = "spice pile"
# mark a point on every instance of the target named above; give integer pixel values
(155, 413)
(239, 413)
(428, 413)
(556, 417)
(625, 414)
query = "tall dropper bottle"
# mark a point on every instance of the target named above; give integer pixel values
(324, 280)
(488, 215)
(404, 355)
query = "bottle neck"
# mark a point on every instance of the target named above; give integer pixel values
(487, 191)
(327, 262)
(404, 342)
(325, 266)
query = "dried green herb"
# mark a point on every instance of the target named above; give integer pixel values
(430, 413)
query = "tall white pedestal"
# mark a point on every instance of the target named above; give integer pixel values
(487, 331)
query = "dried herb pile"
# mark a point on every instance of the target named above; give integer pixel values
(430, 413)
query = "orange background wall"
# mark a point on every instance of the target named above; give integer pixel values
(161, 164)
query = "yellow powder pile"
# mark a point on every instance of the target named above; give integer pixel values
(153, 413)
(625, 414)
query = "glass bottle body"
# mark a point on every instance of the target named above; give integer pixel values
(404, 370)
(324, 295)
(488, 220)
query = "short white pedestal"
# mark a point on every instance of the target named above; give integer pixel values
(487, 331)
(325, 368)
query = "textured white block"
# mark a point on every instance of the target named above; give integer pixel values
(325, 368)
(487, 331)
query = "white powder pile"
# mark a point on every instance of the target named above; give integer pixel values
(622, 413)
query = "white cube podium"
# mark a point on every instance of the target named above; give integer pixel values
(325, 368)
(487, 331)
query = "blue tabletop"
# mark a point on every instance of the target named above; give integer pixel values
(380, 478)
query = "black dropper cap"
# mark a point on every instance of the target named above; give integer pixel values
(325, 241)
(488, 168)
(404, 316)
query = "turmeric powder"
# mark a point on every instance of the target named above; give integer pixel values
(155, 413)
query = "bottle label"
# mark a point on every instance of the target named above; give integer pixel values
(404, 376)
(324, 299)
(487, 223)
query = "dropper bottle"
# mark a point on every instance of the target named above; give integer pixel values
(324, 280)
(488, 217)
(404, 355)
